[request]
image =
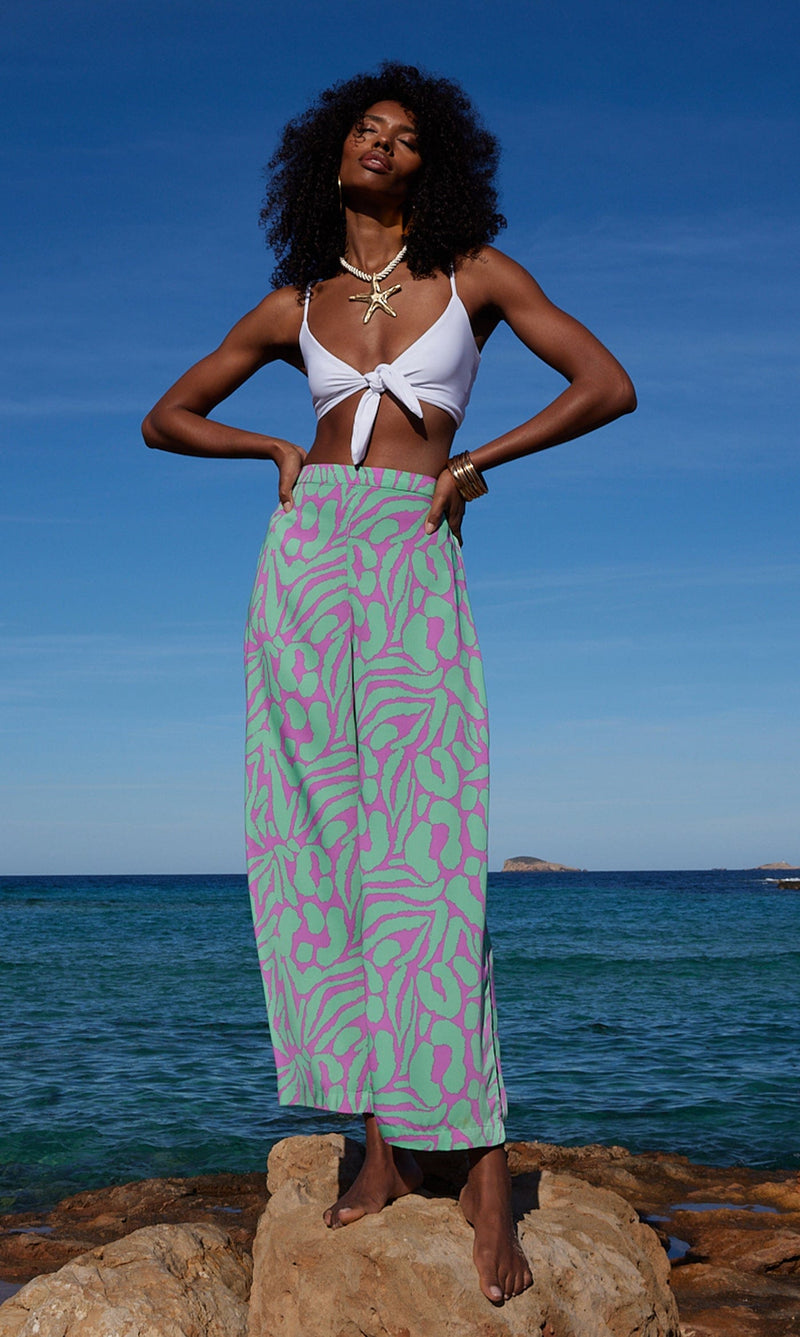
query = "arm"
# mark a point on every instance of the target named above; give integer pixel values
(179, 421)
(496, 288)
(599, 389)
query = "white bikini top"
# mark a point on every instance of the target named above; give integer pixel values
(438, 368)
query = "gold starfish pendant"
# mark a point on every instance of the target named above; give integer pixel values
(376, 299)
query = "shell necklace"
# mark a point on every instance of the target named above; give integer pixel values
(376, 298)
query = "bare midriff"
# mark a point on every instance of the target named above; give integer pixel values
(398, 441)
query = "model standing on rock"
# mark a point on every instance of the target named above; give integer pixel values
(367, 736)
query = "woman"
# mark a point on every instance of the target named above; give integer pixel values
(367, 740)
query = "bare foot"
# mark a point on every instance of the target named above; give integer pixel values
(485, 1200)
(387, 1173)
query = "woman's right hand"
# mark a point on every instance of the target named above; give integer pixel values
(290, 460)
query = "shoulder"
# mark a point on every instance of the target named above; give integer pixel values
(274, 324)
(282, 306)
(495, 288)
(492, 277)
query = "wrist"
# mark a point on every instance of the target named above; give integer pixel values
(468, 480)
(275, 450)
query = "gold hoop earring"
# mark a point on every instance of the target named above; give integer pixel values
(341, 201)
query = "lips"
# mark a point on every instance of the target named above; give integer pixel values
(374, 161)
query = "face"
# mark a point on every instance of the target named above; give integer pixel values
(381, 153)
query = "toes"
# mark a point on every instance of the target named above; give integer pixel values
(522, 1282)
(342, 1214)
(504, 1285)
(491, 1283)
(493, 1292)
(346, 1215)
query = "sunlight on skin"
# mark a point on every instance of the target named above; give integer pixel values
(392, 1172)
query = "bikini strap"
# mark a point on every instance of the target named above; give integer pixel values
(305, 304)
(453, 282)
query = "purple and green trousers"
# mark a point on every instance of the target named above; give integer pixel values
(367, 789)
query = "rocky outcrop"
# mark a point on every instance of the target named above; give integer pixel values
(161, 1281)
(733, 1234)
(780, 866)
(527, 863)
(36, 1242)
(598, 1272)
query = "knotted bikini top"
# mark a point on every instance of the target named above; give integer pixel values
(438, 368)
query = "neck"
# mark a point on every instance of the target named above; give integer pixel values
(372, 242)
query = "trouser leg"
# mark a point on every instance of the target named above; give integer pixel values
(422, 733)
(302, 807)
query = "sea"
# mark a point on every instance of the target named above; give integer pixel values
(657, 1011)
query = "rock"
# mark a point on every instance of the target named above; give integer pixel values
(738, 1232)
(782, 1195)
(724, 1302)
(408, 1272)
(730, 1238)
(35, 1242)
(527, 863)
(314, 1167)
(734, 1272)
(161, 1281)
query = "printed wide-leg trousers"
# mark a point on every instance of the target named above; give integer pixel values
(367, 787)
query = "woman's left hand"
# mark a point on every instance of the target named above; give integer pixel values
(446, 503)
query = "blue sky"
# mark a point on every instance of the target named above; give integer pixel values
(636, 591)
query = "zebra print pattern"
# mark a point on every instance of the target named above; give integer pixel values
(367, 775)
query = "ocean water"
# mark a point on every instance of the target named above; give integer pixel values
(655, 1010)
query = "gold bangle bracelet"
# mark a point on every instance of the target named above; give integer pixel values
(469, 482)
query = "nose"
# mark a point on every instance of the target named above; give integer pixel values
(383, 141)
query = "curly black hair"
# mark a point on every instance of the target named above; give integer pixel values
(455, 197)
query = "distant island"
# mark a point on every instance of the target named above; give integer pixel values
(528, 863)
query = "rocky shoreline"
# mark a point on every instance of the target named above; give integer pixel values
(733, 1234)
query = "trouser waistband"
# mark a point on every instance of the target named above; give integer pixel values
(364, 476)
